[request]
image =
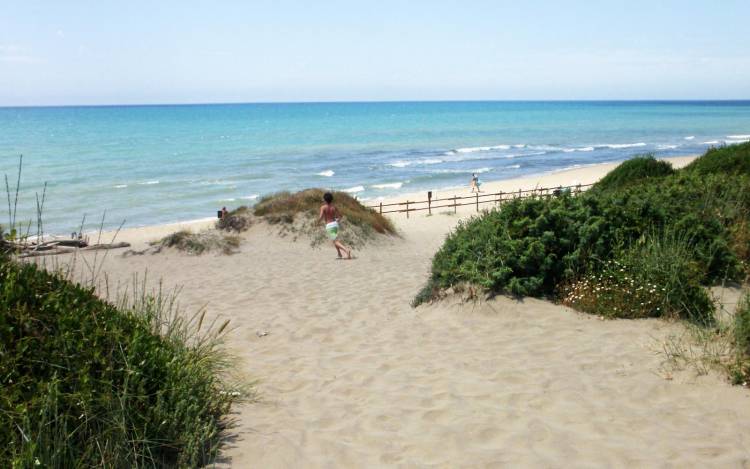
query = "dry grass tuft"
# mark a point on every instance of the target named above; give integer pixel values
(238, 220)
(199, 243)
(297, 214)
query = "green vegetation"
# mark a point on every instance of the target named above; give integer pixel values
(84, 382)
(655, 278)
(199, 243)
(633, 171)
(298, 213)
(742, 326)
(732, 160)
(677, 231)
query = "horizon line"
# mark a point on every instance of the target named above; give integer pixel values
(394, 101)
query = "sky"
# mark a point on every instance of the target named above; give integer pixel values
(106, 52)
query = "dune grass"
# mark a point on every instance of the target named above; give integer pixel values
(297, 213)
(86, 382)
(284, 206)
(199, 243)
(237, 221)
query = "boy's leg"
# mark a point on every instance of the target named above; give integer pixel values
(344, 248)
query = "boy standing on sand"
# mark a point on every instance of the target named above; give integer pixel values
(330, 215)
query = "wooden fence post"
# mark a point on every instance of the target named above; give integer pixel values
(477, 201)
(429, 203)
(407, 209)
(454, 204)
(381, 208)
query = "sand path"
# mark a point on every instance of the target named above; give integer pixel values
(350, 375)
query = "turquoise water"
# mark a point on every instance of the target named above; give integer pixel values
(157, 164)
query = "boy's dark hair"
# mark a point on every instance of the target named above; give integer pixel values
(328, 197)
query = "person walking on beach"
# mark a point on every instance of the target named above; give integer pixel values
(329, 214)
(474, 184)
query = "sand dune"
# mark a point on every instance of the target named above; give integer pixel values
(349, 375)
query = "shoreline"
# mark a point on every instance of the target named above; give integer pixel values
(566, 177)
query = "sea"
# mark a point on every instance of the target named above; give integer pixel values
(154, 164)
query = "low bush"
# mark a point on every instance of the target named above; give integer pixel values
(285, 206)
(297, 214)
(238, 220)
(86, 383)
(731, 159)
(531, 246)
(741, 327)
(633, 171)
(199, 243)
(656, 277)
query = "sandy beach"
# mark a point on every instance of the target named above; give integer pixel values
(349, 375)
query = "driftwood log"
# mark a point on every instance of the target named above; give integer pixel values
(53, 248)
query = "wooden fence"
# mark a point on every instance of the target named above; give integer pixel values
(477, 199)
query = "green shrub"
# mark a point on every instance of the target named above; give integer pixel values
(85, 383)
(655, 277)
(732, 159)
(523, 248)
(741, 327)
(633, 171)
(529, 246)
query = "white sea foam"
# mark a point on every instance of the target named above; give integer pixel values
(430, 161)
(569, 150)
(515, 166)
(544, 148)
(478, 149)
(231, 199)
(617, 146)
(327, 173)
(691, 137)
(403, 164)
(148, 183)
(121, 186)
(515, 155)
(666, 147)
(250, 197)
(739, 140)
(739, 137)
(711, 142)
(390, 185)
(461, 171)
(355, 189)
(586, 149)
(520, 145)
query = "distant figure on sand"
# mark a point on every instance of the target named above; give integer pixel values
(474, 184)
(224, 212)
(329, 214)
